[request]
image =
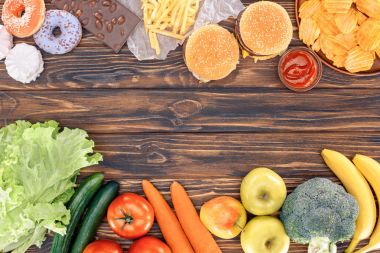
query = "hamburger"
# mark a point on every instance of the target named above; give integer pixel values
(264, 30)
(211, 53)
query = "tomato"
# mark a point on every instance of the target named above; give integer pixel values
(103, 246)
(149, 244)
(130, 216)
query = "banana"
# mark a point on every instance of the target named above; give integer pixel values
(357, 186)
(370, 168)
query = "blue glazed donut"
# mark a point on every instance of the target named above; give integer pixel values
(70, 32)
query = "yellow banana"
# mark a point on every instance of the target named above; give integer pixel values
(370, 168)
(357, 186)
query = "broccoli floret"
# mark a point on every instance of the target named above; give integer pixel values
(319, 213)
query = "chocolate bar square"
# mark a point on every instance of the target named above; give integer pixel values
(109, 20)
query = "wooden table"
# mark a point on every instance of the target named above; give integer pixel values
(153, 120)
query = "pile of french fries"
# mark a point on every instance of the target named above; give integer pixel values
(171, 18)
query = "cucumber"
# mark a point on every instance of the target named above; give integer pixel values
(95, 213)
(77, 206)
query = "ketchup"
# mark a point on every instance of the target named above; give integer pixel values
(299, 69)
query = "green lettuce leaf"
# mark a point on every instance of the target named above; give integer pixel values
(38, 167)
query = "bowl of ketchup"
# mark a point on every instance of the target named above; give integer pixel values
(300, 69)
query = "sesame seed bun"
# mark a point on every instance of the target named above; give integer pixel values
(264, 28)
(211, 53)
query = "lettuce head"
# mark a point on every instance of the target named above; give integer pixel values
(39, 164)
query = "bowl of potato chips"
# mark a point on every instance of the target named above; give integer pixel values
(344, 33)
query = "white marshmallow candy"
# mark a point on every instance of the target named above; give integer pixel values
(6, 42)
(24, 63)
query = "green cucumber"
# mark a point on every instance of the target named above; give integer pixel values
(77, 206)
(95, 213)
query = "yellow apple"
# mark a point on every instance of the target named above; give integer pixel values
(262, 191)
(265, 234)
(225, 217)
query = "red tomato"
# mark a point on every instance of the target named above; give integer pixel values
(103, 246)
(130, 216)
(149, 244)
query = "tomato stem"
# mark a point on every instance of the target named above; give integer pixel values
(127, 218)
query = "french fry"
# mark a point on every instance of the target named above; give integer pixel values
(168, 33)
(166, 12)
(174, 14)
(185, 17)
(154, 42)
(172, 18)
(179, 18)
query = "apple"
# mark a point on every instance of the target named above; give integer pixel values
(225, 217)
(262, 191)
(264, 234)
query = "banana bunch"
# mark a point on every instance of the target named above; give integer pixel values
(357, 178)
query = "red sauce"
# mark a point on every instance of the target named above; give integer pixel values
(299, 69)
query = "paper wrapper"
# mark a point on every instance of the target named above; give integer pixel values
(211, 11)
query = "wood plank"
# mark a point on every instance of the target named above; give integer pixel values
(92, 65)
(259, 110)
(227, 246)
(210, 165)
(218, 155)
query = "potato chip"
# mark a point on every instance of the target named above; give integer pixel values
(346, 22)
(331, 46)
(339, 60)
(361, 17)
(348, 41)
(308, 8)
(337, 6)
(369, 7)
(325, 48)
(368, 35)
(317, 45)
(309, 31)
(359, 60)
(326, 22)
(347, 32)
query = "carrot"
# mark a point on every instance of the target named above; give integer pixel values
(168, 222)
(199, 237)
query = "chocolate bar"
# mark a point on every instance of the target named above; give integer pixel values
(109, 20)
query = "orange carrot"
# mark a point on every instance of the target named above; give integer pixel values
(168, 222)
(199, 237)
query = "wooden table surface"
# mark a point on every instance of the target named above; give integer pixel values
(153, 120)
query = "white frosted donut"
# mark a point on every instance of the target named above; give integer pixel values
(24, 63)
(69, 26)
(6, 42)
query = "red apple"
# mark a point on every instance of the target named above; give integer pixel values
(225, 217)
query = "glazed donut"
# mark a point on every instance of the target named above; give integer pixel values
(6, 42)
(23, 18)
(70, 32)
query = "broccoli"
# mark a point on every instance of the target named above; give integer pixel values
(319, 213)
